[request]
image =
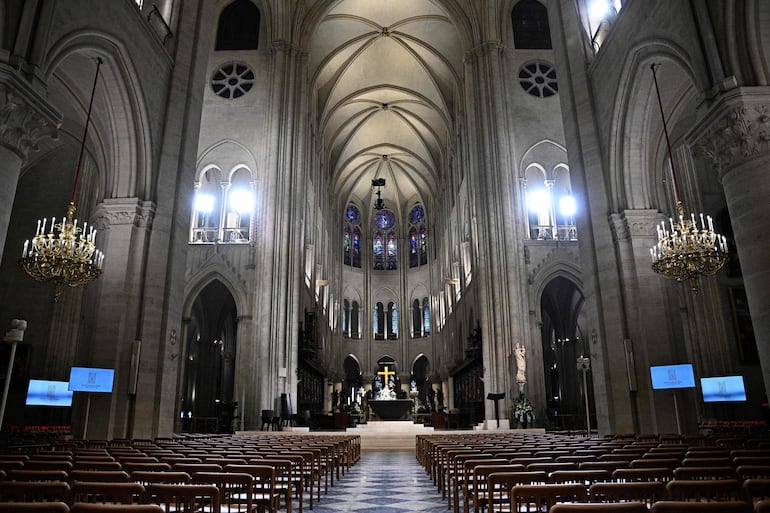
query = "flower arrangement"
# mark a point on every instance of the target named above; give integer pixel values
(523, 411)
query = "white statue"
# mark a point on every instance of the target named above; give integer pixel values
(16, 333)
(521, 363)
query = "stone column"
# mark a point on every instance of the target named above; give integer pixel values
(25, 119)
(734, 138)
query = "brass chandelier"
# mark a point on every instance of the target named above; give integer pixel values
(61, 251)
(686, 249)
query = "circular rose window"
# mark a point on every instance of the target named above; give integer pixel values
(538, 78)
(232, 80)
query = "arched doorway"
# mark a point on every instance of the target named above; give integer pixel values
(351, 385)
(420, 372)
(207, 404)
(561, 306)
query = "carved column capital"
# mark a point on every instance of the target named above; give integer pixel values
(25, 117)
(124, 211)
(735, 130)
(634, 224)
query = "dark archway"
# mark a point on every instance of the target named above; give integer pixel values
(352, 381)
(210, 364)
(420, 373)
(561, 308)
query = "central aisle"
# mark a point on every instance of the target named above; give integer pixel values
(383, 482)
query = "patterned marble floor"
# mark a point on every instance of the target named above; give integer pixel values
(383, 482)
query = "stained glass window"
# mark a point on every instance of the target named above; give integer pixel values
(352, 236)
(379, 321)
(385, 241)
(392, 256)
(416, 319)
(392, 321)
(353, 215)
(418, 237)
(346, 318)
(426, 315)
(384, 219)
(355, 331)
(416, 215)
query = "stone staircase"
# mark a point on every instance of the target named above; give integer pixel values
(390, 435)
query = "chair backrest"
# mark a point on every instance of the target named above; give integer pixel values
(646, 492)
(184, 498)
(643, 474)
(609, 466)
(34, 491)
(134, 466)
(607, 507)
(103, 476)
(707, 462)
(37, 475)
(705, 490)
(543, 496)
(147, 477)
(753, 471)
(654, 463)
(587, 477)
(715, 472)
(194, 468)
(701, 507)
(82, 507)
(93, 491)
(34, 507)
(96, 465)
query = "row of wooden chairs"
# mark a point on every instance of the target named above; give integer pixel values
(460, 467)
(72, 475)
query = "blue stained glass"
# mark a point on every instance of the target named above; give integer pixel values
(356, 240)
(352, 214)
(416, 215)
(384, 219)
(378, 246)
(392, 244)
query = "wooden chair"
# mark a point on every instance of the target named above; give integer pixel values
(707, 462)
(236, 490)
(52, 464)
(606, 507)
(284, 478)
(194, 468)
(465, 488)
(480, 488)
(542, 497)
(610, 466)
(705, 490)
(185, 498)
(266, 497)
(34, 507)
(762, 506)
(93, 491)
(646, 492)
(701, 507)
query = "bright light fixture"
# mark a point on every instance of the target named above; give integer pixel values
(241, 201)
(204, 203)
(599, 9)
(538, 200)
(567, 206)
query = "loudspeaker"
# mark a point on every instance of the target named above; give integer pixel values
(630, 364)
(133, 376)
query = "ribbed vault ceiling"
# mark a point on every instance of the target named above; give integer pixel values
(387, 78)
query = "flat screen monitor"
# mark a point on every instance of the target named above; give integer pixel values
(90, 379)
(48, 393)
(665, 377)
(723, 388)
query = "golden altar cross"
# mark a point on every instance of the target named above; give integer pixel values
(386, 374)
